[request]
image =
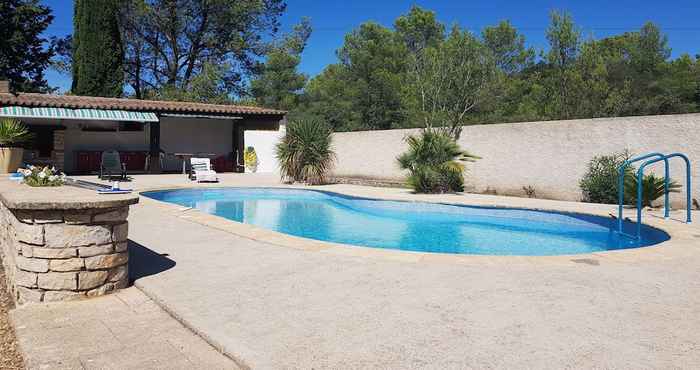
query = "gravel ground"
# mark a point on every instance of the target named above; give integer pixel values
(10, 357)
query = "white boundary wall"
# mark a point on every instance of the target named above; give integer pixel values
(264, 142)
(549, 156)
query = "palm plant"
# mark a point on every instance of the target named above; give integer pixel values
(434, 161)
(12, 133)
(305, 153)
(652, 188)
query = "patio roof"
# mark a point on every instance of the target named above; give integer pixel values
(33, 100)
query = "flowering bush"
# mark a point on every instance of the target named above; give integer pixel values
(46, 176)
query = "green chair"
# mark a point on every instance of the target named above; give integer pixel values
(111, 166)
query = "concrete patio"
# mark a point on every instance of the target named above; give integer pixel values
(269, 301)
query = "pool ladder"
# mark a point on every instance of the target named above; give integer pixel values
(649, 159)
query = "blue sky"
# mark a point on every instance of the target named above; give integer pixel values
(332, 19)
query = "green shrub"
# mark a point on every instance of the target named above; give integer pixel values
(652, 188)
(13, 133)
(600, 182)
(434, 163)
(304, 153)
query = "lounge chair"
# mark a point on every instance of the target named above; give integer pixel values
(202, 171)
(111, 165)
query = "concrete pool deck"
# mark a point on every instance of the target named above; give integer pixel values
(268, 304)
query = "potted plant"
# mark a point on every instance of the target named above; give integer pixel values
(251, 159)
(13, 133)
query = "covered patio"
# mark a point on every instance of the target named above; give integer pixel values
(71, 132)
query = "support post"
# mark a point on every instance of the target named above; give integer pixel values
(154, 148)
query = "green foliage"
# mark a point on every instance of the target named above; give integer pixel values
(168, 43)
(508, 48)
(600, 183)
(13, 133)
(450, 80)
(97, 50)
(388, 78)
(305, 152)
(652, 188)
(24, 53)
(434, 163)
(279, 84)
(42, 176)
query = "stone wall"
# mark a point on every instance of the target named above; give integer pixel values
(550, 157)
(53, 255)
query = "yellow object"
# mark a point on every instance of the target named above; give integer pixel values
(251, 159)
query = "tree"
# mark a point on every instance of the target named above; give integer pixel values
(450, 80)
(564, 41)
(279, 84)
(97, 50)
(375, 62)
(508, 47)
(24, 53)
(171, 41)
(419, 29)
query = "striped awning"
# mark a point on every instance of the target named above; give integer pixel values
(78, 114)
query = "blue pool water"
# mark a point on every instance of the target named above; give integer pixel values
(412, 226)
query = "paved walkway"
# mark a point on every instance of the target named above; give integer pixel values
(125, 330)
(272, 307)
(276, 307)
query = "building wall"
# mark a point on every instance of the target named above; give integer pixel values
(194, 135)
(264, 142)
(549, 156)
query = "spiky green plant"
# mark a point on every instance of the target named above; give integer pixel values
(13, 133)
(652, 188)
(305, 152)
(434, 162)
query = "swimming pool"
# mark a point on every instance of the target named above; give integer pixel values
(411, 226)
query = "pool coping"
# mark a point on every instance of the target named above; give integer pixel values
(678, 246)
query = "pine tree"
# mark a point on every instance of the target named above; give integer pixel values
(98, 54)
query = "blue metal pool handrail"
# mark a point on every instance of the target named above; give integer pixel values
(621, 185)
(640, 175)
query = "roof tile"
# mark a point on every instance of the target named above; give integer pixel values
(90, 102)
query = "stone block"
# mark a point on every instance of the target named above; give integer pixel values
(114, 215)
(48, 217)
(25, 278)
(102, 290)
(25, 295)
(120, 232)
(27, 249)
(32, 264)
(70, 264)
(32, 234)
(121, 246)
(91, 279)
(77, 217)
(54, 252)
(58, 281)
(65, 236)
(106, 261)
(118, 273)
(95, 250)
(54, 296)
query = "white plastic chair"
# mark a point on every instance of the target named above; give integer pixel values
(202, 171)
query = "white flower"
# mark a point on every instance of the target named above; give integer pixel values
(42, 175)
(53, 178)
